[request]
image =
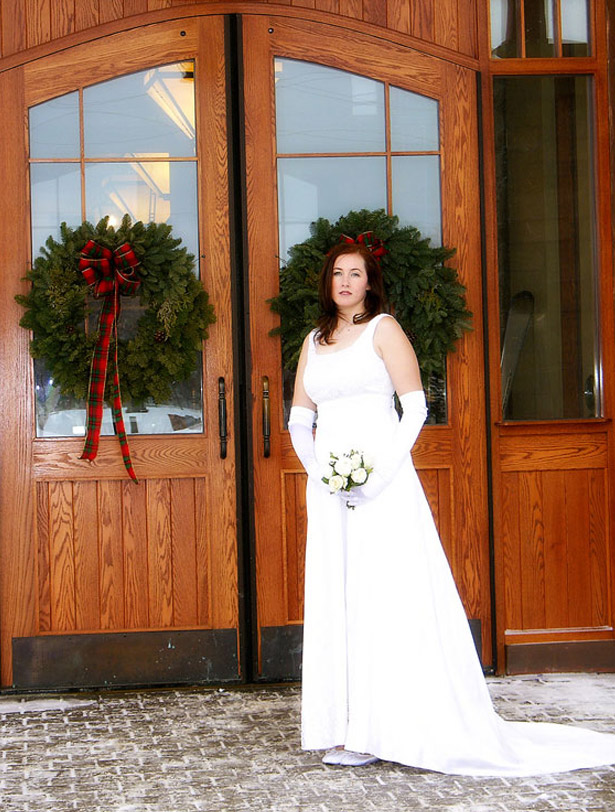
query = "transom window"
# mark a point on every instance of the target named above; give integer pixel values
(540, 28)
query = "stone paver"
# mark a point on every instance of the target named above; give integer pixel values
(227, 750)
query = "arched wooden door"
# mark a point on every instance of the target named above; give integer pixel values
(108, 583)
(451, 457)
(105, 582)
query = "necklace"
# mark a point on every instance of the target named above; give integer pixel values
(347, 327)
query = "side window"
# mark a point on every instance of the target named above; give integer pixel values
(125, 146)
(547, 247)
(348, 142)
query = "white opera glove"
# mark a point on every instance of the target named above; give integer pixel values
(388, 463)
(300, 423)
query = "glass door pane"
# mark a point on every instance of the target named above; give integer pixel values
(547, 248)
(137, 157)
(347, 142)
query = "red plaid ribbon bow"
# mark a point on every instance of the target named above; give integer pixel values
(367, 238)
(109, 274)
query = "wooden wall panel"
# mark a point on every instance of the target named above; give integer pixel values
(578, 553)
(531, 533)
(132, 7)
(375, 12)
(109, 10)
(61, 556)
(599, 552)
(436, 483)
(467, 31)
(543, 452)
(555, 549)
(351, 8)
(450, 24)
(134, 512)
(422, 20)
(38, 22)
(62, 18)
(43, 572)
(398, 16)
(444, 508)
(203, 553)
(446, 24)
(13, 31)
(429, 481)
(556, 559)
(332, 6)
(160, 567)
(294, 532)
(85, 541)
(86, 14)
(112, 555)
(511, 553)
(183, 557)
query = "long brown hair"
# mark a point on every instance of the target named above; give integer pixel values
(374, 296)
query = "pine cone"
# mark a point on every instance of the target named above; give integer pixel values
(160, 336)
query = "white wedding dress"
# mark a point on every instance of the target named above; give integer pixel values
(389, 663)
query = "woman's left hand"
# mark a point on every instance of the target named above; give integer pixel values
(365, 493)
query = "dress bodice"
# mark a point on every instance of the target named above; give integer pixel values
(353, 393)
(356, 370)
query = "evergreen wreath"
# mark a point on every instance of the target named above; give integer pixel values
(423, 292)
(169, 333)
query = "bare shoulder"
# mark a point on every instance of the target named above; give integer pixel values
(395, 349)
(389, 326)
(306, 343)
(300, 397)
(390, 335)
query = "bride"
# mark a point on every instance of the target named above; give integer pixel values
(390, 670)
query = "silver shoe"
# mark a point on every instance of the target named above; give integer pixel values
(333, 756)
(351, 759)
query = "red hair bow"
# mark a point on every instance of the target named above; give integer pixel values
(367, 238)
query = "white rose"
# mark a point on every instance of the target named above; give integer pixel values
(336, 483)
(359, 476)
(368, 461)
(355, 461)
(343, 466)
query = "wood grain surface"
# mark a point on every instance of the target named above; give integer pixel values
(31, 23)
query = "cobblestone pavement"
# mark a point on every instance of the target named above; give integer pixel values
(226, 750)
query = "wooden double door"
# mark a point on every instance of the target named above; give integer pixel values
(195, 574)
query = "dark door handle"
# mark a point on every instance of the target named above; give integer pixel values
(222, 417)
(266, 418)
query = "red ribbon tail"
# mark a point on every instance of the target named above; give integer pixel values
(98, 376)
(118, 424)
(118, 417)
(110, 274)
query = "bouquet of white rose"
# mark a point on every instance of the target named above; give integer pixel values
(347, 471)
